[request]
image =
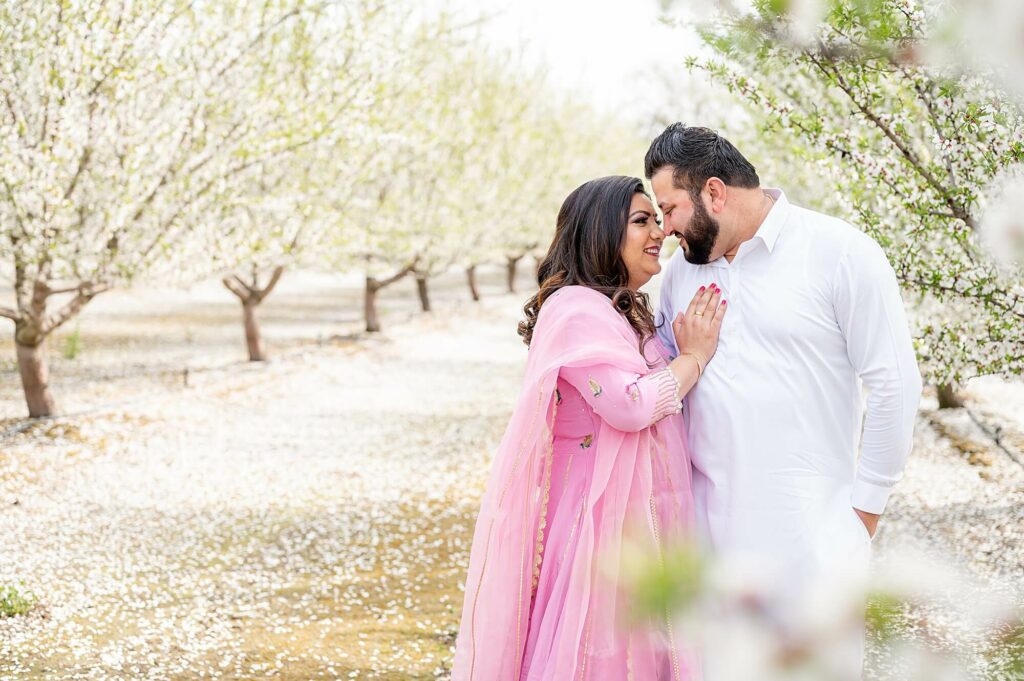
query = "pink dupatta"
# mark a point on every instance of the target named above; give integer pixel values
(640, 480)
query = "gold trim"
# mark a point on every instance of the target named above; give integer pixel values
(519, 599)
(575, 524)
(519, 456)
(586, 646)
(568, 465)
(542, 522)
(661, 458)
(476, 596)
(668, 619)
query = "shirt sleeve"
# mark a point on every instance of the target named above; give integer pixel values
(626, 401)
(870, 313)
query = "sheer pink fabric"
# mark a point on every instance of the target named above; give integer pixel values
(636, 489)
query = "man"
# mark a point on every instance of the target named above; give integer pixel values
(774, 423)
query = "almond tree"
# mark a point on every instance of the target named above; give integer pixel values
(481, 138)
(124, 126)
(328, 70)
(362, 192)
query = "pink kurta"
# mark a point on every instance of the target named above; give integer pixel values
(616, 471)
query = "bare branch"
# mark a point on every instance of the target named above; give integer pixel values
(83, 161)
(66, 289)
(237, 286)
(381, 283)
(274, 278)
(72, 308)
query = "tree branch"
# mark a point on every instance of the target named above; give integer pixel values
(381, 283)
(67, 289)
(274, 278)
(72, 308)
(1008, 307)
(905, 151)
(237, 286)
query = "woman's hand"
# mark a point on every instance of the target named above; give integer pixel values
(696, 330)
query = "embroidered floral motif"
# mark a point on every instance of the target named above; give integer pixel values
(633, 392)
(595, 387)
(587, 441)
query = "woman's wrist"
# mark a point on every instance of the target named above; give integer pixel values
(696, 360)
(698, 357)
(686, 370)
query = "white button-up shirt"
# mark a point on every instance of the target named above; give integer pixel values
(814, 313)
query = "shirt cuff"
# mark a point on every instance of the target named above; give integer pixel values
(869, 497)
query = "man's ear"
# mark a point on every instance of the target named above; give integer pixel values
(716, 191)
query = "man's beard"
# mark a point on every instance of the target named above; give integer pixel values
(701, 236)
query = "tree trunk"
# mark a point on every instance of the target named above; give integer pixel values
(373, 286)
(513, 264)
(32, 325)
(421, 290)
(251, 295)
(471, 278)
(948, 397)
(35, 379)
(253, 338)
(370, 305)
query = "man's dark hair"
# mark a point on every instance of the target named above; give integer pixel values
(695, 154)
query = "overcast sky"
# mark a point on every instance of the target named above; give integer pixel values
(604, 48)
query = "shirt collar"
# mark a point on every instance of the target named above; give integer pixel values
(770, 227)
(769, 230)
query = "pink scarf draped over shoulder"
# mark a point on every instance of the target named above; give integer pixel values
(640, 479)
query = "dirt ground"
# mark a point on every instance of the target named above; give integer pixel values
(197, 516)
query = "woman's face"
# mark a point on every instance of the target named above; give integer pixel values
(643, 242)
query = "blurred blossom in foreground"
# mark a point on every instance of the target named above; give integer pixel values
(921, 617)
(1002, 224)
(987, 34)
(978, 35)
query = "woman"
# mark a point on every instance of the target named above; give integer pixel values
(595, 452)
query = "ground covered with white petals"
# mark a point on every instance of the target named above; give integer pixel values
(311, 517)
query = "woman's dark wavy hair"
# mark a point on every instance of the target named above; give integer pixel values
(587, 251)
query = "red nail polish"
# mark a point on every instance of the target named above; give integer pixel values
(701, 289)
(724, 302)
